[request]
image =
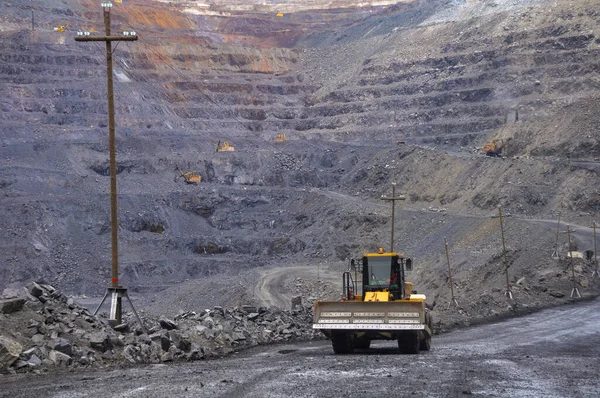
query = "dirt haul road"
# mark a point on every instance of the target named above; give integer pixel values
(272, 288)
(553, 353)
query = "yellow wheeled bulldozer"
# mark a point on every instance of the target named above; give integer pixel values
(190, 177)
(280, 137)
(377, 304)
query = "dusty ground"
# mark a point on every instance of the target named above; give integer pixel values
(553, 353)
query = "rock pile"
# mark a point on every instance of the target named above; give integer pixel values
(41, 329)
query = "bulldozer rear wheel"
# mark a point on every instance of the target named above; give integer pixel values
(342, 343)
(409, 343)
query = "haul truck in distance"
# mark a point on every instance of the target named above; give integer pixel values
(378, 304)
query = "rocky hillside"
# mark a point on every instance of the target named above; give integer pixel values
(405, 93)
(41, 329)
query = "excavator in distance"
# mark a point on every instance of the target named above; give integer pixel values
(377, 304)
(190, 177)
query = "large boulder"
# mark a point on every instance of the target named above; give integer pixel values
(249, 309)
(34, 361)
(38, 339)
(60, 359)
(100, 341)
(35, 290)
(8, 306)
(61, 345)
(130, 353)
(296, 302)
(9, 352)
(181, 341)
(209, 322)
(168, 324)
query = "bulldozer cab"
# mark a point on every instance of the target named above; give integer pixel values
(382, 272)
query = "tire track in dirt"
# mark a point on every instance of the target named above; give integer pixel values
(271, 289)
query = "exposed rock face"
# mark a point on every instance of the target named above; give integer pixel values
(9, 352)
(61, 345)
(100, 341)
(9, 306)
(62, 334)
(60, 359)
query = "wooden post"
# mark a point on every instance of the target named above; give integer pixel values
(595, 252)
(508, 291)
(115, 289)
(575, 290)
(555, 253)
(393, 199)
(453, 300)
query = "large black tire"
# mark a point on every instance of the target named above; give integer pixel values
(342, 343)
(425, 344)
(362, 343)
(409, 343)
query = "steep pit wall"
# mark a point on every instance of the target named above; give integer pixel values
(454, 83)
(344, 108)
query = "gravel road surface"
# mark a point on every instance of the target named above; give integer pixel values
(553, 353)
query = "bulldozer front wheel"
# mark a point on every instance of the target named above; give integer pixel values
(362, 343)
(409, 343)
(425, 344)
(342, 343)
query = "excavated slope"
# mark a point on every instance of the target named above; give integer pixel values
(405, 94)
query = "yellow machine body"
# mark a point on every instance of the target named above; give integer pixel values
(190, 177)
(378, 304)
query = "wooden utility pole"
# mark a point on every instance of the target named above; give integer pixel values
(595, 273)
(575, 290)
(116, 291)
(508, 291)
(393, 199)
(452, 299)
(555, 253)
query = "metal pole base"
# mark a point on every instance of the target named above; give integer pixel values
(595, 273)
(555, 254)
(101, 302)
(453, 302)
(115, 318)
(575, 293)
(508, 293)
